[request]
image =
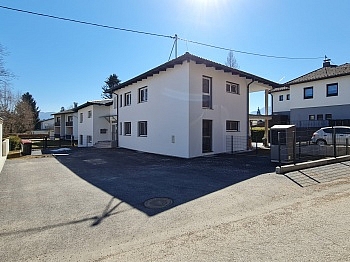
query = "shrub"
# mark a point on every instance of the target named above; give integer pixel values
(15, 143)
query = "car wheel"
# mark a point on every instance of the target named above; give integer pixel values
(321, 142)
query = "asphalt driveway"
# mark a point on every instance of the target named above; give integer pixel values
(92, 205)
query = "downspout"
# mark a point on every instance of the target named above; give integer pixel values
(117, 107)
(248, 121)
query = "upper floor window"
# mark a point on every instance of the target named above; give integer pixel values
(89, 114)
(127, 99)
(308, 92)
(81, 117)
(207, 92)
(288, 97)
(280, 98)
(121, 101)
(232, 88)
(232, 125)
(332, 89)
(143, 94)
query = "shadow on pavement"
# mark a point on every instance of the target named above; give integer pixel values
(136, 177)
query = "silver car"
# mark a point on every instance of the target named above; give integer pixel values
(324, 135)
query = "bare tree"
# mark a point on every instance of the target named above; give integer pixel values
(231, 60)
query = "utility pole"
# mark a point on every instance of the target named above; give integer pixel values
(175, 45)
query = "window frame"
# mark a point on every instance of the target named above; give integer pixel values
(328, 93)
(280, 98)
(312, 118)
(328, 116)
(288, 97)
(127, 99)
(127, 128)
(308, 96)
(232, 126)
(207, 96)
(81, 117)
(143, 94)
(90, 114)
(232, 88)
(142, 128)
(103, 130)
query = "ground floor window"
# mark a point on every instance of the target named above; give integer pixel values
(81, 139)
(232, 126)
(89, 139)
(127, 128)
(142, 128)
(103, 131)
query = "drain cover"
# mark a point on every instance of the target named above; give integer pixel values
(158, 202)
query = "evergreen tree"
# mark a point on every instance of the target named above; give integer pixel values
(28, 98)
(111, 82)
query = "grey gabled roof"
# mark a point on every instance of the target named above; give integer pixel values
(198, 60)
(322, 73)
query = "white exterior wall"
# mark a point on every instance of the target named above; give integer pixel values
(99, 122)
(91, 126)
(225, 106)
(281, 106)
(320, 93)
(85, 127)
(166, 113)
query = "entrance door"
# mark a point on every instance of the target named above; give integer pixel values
(207, 136)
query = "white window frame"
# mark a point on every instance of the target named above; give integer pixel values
(142, 128)
(89, 114)
(232, 126)
(232, 88)
(143, 94)
(81, 118)
(280, 98)
(207, 94)
(127, 128)
(127, 99)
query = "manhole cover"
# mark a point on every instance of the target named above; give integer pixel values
(158, 202)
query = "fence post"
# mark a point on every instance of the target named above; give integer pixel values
(299, 147)
(334, 142)
(279, 148)
(347, 146)
(294, 144)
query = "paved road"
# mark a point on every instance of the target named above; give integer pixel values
(89, 206)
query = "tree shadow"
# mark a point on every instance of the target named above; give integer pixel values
(134, 177)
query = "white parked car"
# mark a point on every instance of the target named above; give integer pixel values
(324, 135)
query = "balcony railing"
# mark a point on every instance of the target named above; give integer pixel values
(57, 123)
(69, 123)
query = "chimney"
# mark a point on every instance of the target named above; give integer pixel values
(75, 104)
(326, 62)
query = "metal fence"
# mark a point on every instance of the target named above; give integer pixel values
(299, 148)
(236, 143)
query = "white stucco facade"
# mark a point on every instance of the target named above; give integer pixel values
(174, 112)
(92, 124)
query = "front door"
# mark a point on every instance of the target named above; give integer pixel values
(207, 136)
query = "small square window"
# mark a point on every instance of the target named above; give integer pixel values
(288, 97)
(280, 98)
(103, 131)
(328, 116)
(232, 88)
(332, 89)
(308, 92)
(232, 126)
(142, 128)
(320, 117)
(311, 117)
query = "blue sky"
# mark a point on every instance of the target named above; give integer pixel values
(61, 62)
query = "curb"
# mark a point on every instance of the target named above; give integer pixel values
(320, 162)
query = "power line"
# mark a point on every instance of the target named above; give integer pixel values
(248, 53)
(85, 23)
(158, 35)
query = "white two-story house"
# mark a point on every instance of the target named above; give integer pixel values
(66, 124)
(318, 96)
(187, 107)
(94, 123)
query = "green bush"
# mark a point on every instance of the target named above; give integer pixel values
(15, 143)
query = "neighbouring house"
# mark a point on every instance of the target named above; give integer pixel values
(66, 124)
(95, 124)
(316, 98)
(187, 107)
(47, 124)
